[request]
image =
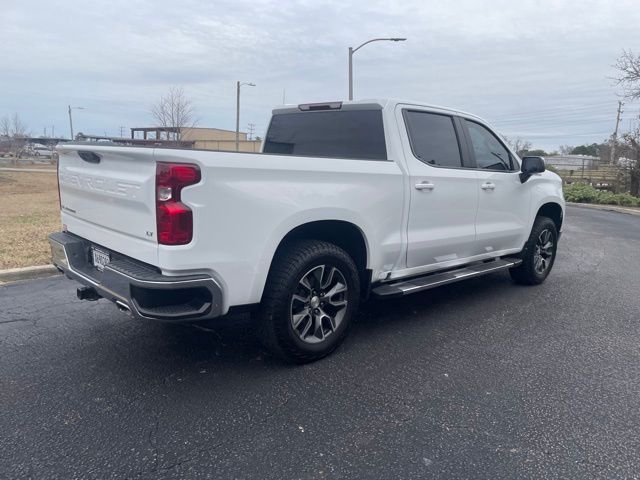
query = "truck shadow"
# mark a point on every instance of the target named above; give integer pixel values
(234, 340)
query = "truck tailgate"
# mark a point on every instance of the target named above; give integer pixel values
(107, 196)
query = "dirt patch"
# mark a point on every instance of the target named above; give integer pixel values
(31, 213)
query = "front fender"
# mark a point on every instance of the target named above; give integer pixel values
(547, 188)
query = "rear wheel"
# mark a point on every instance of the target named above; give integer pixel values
(538, 254)
(311, 296)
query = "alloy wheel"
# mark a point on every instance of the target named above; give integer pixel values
(543, 253)
(319, 303)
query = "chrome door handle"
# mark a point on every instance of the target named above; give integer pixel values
(425, 186)
(488, 186)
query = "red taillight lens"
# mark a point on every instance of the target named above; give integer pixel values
(175, 224)
(174, 219)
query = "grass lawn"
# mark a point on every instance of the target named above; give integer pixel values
(29, 214)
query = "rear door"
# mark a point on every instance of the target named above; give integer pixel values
(107, 195)
(443, 186)
(504, 202)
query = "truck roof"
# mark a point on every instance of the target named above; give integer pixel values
(367, 104)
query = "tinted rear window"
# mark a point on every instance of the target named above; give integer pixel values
(433, 138)
(340, 134)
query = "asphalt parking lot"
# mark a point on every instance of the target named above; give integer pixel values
(482, 379)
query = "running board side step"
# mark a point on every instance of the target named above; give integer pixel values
(418, 284)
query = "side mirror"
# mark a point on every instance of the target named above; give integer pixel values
(531, 165)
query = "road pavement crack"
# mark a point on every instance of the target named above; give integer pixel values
(18, 320)
(153, 440)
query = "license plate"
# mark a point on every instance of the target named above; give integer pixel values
(100, 258)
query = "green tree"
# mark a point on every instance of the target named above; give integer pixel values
(592, 150)
(536, 153)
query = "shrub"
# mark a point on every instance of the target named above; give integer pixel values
(581, 193)
(628, 200)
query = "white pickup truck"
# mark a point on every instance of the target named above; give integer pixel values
(347, 200)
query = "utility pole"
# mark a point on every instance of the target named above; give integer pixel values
(614, 138)
(121, 131)
(53, 131)
(251, 128)
(71, 120)
(237, 115)
(70, 123)
(238, 85)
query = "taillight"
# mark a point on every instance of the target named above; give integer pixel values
(173, 218)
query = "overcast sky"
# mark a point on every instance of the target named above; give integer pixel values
(534, 69)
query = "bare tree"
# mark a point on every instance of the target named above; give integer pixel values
(565, 149)
(174, 110)
(631, 150)
(628, 66)
(13, 126)
(14, 130)
(18, 127)
(518, 144)
(5, 127)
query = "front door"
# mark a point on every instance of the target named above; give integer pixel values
(504, 202)
(444, 193)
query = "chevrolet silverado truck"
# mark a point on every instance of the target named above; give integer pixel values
(347, 200)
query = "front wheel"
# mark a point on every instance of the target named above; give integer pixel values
(538, 254)
(310, 299)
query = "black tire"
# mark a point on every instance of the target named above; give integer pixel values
(293, 271)
(536, 265)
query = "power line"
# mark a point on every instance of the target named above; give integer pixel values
(524, 111)
(563, 112)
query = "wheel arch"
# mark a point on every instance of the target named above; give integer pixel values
(342, 233)
(554, 211)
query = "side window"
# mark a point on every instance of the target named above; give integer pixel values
(488, 150)
(433, 138)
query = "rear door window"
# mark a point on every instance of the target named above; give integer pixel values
(433, 138)
(352, 134)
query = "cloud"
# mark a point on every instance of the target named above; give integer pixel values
(536, 69)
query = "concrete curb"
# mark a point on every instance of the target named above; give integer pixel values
(27, 273)
(608, 208)
(28, 170)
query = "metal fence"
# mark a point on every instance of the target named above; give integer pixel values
(592, 171)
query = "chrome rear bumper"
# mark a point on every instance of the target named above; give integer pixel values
(135, 286)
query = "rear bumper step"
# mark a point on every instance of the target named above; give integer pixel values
(136, 287)
(418, 284)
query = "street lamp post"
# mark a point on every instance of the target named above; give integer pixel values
(354, 50)
(71, 119)
(238, 85)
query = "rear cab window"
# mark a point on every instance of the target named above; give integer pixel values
(434, 139)
(349, 134)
